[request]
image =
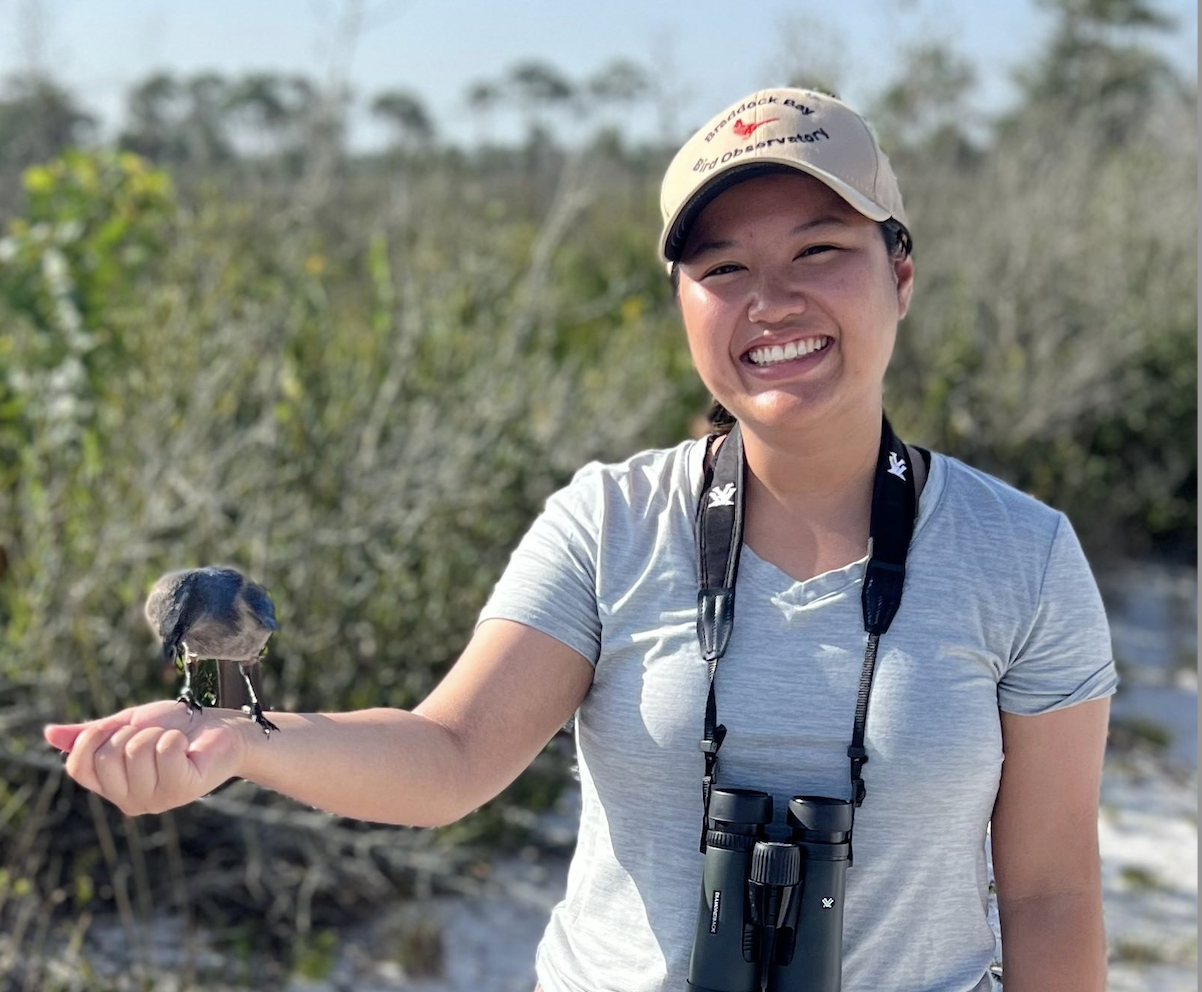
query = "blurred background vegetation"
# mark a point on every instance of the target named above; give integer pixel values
(228, 338)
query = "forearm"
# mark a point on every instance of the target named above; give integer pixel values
(1054, 942)
(384, 765)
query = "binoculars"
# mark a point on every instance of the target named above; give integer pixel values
(771, 912)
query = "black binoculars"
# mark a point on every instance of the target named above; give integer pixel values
(771, 913)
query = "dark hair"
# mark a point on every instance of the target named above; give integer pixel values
(898, 244)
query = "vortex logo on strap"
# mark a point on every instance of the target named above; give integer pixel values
(723, 495)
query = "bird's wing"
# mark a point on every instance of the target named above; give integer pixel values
(168, 609)
(260, 603)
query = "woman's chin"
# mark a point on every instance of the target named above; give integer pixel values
(781, 410)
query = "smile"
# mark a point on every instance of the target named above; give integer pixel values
(774, 354)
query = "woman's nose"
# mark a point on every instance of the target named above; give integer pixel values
(775, 298)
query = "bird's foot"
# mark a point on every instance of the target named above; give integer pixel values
(189, 700)
(256, 713)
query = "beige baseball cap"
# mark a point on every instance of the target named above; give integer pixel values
(769, 130)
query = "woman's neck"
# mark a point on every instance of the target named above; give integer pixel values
(815, 467)
(809, 497)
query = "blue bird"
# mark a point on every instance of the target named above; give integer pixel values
(215, 613)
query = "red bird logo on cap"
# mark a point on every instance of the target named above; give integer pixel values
(747, 130)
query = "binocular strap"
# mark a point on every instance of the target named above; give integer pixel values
(719, 537)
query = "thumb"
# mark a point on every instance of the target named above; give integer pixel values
(215, 753)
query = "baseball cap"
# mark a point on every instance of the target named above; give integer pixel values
(771, 131)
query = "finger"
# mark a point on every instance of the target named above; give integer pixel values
(142, 769)
(81, 762)
(64, 736)
(112, 769)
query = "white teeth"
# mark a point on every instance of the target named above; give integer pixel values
(794, 349)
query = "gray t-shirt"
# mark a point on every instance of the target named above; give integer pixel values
(1000, 611)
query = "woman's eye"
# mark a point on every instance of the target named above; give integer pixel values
(722, 270)
(816, 250)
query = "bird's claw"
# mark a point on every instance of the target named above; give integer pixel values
(256, 713)
(190, 701)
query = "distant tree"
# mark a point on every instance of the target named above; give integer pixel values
(538, 89)
(483, 95)
(326, 127)
(1099, 60)
(272, 109)
(620, 83)
(39, 119)
(615, 88)
(406, 115)
(152, 117)
(179, 121)
(482, 99)
(927, 107)
(539, 83)
(206, 122)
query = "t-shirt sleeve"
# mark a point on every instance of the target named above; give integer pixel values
(550, 581)
(1066, 656)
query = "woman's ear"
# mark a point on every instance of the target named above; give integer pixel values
(903, 275)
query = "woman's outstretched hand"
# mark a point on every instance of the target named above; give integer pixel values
(155, 757)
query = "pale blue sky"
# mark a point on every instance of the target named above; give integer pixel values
(706, 53)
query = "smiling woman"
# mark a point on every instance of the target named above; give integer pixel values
(920, 659)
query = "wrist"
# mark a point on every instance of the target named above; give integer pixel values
(248, 742)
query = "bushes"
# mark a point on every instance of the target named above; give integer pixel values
(366, 423)
(1052, 337)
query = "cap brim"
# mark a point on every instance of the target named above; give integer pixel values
(676, 230)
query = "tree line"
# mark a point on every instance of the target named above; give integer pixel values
(208, 118)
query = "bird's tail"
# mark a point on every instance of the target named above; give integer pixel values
(231, 689)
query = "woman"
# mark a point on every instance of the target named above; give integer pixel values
(786, 240)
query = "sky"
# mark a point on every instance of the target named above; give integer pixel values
(704, 54)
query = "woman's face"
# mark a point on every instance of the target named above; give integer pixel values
(790, 303)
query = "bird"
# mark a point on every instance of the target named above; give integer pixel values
(216, 613)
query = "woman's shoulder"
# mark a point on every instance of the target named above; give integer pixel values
(975, 502)
(650, 476)
(979, 531)
(627, 503)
